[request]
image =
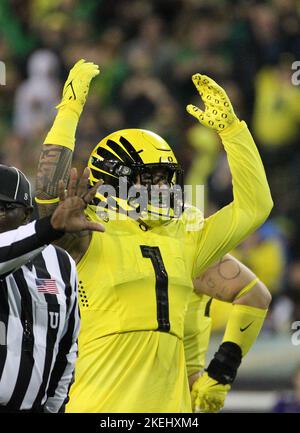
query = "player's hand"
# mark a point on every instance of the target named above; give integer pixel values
(208, 395)
(69, 215)
(77, 85)
(218, 113)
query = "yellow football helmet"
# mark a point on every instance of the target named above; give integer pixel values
(131, 159)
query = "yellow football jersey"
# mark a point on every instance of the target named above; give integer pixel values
(134, 289)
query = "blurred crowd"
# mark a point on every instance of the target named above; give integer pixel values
(147, 51)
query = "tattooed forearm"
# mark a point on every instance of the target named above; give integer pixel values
(210, 282)
(54, 164)
(45, 210)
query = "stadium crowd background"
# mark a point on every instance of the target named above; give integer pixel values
(147, 52)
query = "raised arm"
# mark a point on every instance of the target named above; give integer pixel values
(57, 151)
(229, 281)
(252, 200)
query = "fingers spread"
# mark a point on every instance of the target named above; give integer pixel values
(61, 190)
(71, 190)
(83, 182)
(92, 192)
(195, 111)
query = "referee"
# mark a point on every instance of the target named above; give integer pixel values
(39, 319)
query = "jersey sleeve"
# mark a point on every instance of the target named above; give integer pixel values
(251, 205)
(19, 246)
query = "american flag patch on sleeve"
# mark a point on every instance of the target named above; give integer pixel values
(47, 285)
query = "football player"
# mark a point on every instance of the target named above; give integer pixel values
(135, 280)
(230, 281)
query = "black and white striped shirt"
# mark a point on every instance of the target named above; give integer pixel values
(39, 319)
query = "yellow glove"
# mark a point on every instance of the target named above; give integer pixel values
(218, 113)
(208, 395)
(74, 96)
(77, 85)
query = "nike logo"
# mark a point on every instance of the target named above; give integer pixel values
(246, 327)
(72, 89)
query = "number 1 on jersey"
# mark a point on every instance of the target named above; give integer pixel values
(161, 286)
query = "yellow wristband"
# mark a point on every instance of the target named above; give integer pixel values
(46, 201)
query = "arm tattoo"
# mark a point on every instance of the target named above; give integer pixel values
(221, 294)
(54, 164)
(45, 210)
(210, 282)
(230, 271)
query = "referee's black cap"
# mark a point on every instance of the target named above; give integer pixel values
(14, 186)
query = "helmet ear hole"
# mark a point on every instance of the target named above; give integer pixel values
(123, 170)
